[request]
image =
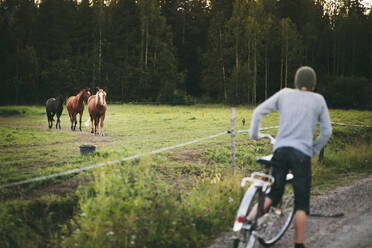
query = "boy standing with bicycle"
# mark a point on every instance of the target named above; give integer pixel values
(300, 110)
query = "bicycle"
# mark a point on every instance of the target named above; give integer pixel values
(268, 227)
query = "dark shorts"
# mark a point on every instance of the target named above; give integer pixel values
(290, 159)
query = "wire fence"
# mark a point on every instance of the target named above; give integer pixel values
(90, 167)
(78, 170)
(350, 125)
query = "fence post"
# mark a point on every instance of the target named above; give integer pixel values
(232, 130)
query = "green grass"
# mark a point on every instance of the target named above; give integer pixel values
(182, 197)
(17, 111)
(134, 129)
(20, 136)
(347, 156)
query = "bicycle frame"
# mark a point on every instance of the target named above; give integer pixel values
(257, 184)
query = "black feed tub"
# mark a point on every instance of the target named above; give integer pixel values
(86, 149)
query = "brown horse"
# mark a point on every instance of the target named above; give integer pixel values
(97, 110)
(75, 105)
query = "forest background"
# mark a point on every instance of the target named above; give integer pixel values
(184, 51)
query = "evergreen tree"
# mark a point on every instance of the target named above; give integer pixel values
(239, 51)
(291, 51)
(214, 82)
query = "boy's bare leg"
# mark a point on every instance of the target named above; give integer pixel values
(300, 224)
(253, 212)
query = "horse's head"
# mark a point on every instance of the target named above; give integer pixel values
(101, 97)
(86, 94)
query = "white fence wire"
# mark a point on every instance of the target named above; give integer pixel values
(78, 170)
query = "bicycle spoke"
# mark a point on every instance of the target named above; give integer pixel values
(274, 223)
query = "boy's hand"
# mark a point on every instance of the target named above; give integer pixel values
(255, 136)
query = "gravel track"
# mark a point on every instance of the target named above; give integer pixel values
(327, 229)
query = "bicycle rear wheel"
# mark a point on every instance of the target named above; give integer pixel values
(276, 221)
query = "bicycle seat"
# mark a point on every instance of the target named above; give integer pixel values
(265, 160)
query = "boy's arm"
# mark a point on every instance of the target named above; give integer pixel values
(263, 109)
(325, 130)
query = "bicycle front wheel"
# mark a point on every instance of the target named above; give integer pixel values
(277, 220)
(242, 240)
(252, 202)
(249, 242)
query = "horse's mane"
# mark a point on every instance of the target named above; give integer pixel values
(80, 94)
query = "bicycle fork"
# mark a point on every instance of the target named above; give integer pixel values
(257, 185)
(252, 239)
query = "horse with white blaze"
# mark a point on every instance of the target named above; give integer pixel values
(97, 109)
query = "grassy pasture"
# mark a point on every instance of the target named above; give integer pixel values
(130, 129)
(183, 197)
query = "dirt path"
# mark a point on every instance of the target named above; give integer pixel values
(356, 234)
(353, 229)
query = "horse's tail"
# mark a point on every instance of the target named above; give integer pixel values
(87, 123)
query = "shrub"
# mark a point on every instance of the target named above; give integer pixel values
(31, 223)
(130, 206)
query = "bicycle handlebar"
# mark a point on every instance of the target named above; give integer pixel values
(254, 178)
(267, 136)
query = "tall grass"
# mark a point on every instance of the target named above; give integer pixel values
(27, 224)
(348, 153)
(131, 206)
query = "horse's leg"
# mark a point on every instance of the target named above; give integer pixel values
(71, 119)
(58, 121)
(91, 124)
(52, 114)
(80, 115)
(96, 123)
(102, 119)
(75, 121)
(49, 120)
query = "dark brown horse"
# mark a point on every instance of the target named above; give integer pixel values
(54, 107)
(75, 105)
(97, 110)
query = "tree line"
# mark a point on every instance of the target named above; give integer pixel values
(183, 51)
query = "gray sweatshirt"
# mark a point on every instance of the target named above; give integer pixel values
(299, 111)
